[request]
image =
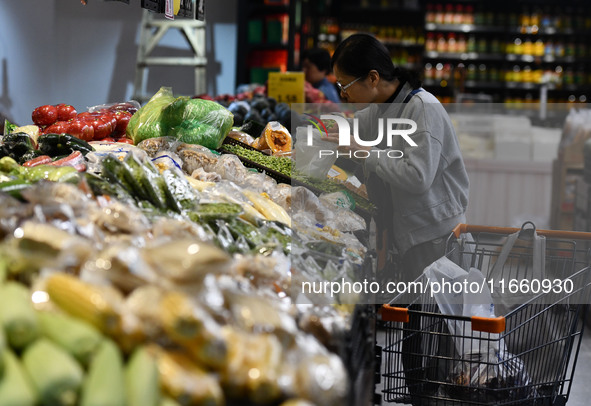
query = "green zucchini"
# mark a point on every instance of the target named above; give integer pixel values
(142, 379)
(3, 349)
(15, 187)
(16, 388)
(104, 385)
(55, 374)
(78, 338)
(146, 179)
(17, 315)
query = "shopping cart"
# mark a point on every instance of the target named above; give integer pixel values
(526, 354)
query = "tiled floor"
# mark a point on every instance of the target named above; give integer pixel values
(580, 394)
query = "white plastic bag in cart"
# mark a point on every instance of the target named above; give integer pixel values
(483, 362)
(540, 332)
(451, 286)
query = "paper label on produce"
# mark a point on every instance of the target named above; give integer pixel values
(333, 173)
(286, 87)
(169, 9)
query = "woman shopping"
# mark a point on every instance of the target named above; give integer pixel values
(418, 183)
(422, 195)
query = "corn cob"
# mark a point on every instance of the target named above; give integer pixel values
(104, 385)
(17, 315)
(55, 374)
(166, 401)
(268, 208)
(142, 380)
(77, 337)
(84, 301)
(16, 388)
(297, 402)
(185, 382)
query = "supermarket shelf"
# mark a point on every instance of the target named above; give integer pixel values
(538, 59)
(464, 56)
(484, 84)
(473, 28)
(464, 28)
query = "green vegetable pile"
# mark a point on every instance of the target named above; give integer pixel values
(329, 185)
(281, 164)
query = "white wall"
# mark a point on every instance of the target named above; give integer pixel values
(59, 51)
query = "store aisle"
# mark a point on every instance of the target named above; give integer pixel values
(580, 391)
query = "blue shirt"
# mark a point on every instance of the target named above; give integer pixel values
(329, 90)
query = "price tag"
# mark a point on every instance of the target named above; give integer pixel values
(169, 9)
(286, 87)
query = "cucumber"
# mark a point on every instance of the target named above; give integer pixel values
(142, 380)
(16, 388)
(17, 315)
(55, 374)
(147, 181)
(77, 337)
(3, 349)
(14, 187)
(104, 385)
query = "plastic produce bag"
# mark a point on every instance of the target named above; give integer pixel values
(274, 137)
(147, 121)
(308, 159)
(483, 362)
(198, 121)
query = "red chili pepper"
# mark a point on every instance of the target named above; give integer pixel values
(40, 160)
(75, 159)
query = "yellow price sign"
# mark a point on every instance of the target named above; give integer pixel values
(286, 87)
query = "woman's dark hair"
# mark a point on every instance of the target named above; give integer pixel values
(319, 57)
(361, 53)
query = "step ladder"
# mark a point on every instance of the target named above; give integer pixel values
(154, 27)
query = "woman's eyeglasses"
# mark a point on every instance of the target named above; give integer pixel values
(343, 89)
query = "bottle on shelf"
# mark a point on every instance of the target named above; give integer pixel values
(430, 42)
(468, 15)
(516, 77)
(429, 72)
(482, 73)
(452, 45)
(461, 43)
(448, 17)
(539, 47)
(527, 47)
(439, 14)
(549, 49)
(430, 13)
(471, 44)
(482, 46)
(441, 43)
(517, 46)
(458, 17)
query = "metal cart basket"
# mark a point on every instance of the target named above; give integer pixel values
(523, 354)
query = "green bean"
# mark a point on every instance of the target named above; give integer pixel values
(281, 164)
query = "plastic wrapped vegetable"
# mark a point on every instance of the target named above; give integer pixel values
(198, 121)
(147, 121)
(274, 137)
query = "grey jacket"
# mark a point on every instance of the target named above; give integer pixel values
(429, 184)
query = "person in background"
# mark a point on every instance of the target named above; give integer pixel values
(316, 67)
(420, 196)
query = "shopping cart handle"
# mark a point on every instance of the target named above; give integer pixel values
(469, 228)
(493, 325)
(488, 324)
(396, 314)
